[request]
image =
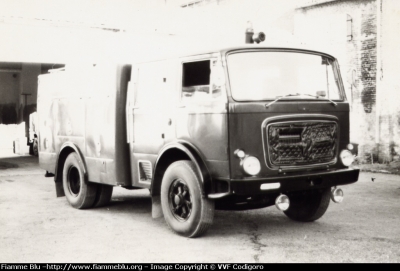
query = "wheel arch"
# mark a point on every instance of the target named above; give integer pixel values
(175, 152)
(65, 150)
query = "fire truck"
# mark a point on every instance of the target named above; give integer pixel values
(233, 129)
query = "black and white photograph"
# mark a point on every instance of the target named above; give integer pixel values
(198, 134)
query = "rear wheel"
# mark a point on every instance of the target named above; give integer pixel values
(103, 195)
(308, 206)
(80, 194)
(35, 148)
(185, 210)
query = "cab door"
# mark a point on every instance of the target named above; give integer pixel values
(202, 118)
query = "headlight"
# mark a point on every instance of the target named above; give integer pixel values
(346, 157)
(251, 165)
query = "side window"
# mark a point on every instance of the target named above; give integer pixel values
(196, 80)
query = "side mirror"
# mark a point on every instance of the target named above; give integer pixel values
(321, 93)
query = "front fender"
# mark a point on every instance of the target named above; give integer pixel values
(185, 151)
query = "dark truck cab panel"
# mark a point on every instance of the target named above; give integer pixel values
(295, 173)
(241, 122)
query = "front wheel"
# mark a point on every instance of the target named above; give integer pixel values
(308, 206)
(185, 210)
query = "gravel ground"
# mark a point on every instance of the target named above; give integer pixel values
(391, 168)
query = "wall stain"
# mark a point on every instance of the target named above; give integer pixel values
(368, 61)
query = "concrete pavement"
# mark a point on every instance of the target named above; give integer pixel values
(36, 226)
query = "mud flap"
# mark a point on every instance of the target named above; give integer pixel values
(59, 189)
(156, 210)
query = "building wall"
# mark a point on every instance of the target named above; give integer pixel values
(232, 15)
(29, 77)
(29, 85)
(389, 81)
(348, 29)
(13, 108)
(9, 90)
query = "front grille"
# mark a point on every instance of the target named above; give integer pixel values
(301, 143)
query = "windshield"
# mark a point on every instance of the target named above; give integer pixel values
(269, 75)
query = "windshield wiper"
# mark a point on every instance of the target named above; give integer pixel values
(281, 97)
(297, 94)
(335, 104)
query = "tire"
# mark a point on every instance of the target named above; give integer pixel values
(185, 210)
(31, 149)
(103, 195)
(310, 206)
(80, 193)
(35, 147)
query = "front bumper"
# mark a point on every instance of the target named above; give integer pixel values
(288, 183)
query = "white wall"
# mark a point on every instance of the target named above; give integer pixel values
(389, 80)
(59, 31)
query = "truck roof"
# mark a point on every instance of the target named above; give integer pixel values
(179, 53)
(182, 51)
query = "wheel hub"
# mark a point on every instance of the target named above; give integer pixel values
(73, 179)
(180, 201)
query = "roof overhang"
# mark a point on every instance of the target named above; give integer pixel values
(311, 3)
